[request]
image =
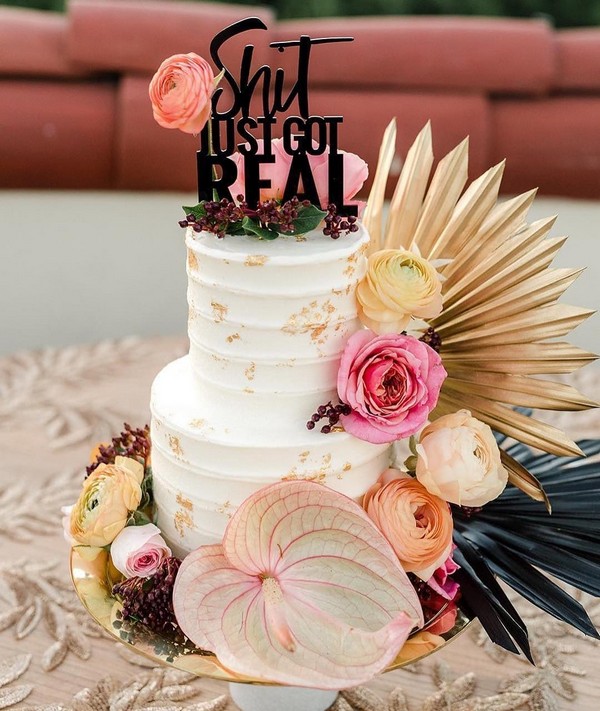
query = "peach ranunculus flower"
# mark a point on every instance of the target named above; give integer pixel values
(181, 92)
(417, 524)
(110, 494)
(356, 172)
(398, 286)
(459, 460)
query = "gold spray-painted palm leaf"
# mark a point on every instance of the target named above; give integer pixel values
(500, 317)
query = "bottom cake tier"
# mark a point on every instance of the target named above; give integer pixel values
(203, 469)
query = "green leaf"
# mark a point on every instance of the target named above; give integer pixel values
(308, 219)
(252, 227)
(411, 463)
(197, 211)
(138, 518)
(412, 445)
(236, 228)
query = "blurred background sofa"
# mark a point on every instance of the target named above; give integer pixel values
(75, 111)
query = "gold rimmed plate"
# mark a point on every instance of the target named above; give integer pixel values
(93, 587)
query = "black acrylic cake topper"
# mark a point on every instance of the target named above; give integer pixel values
(303, 134)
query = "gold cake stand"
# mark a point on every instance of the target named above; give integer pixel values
(93, 583)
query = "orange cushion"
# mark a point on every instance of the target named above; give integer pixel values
(56, 134)
(553, 144)
(449, 53)
(136, 35)
(578, 59)
(149, 157)
(33, 43)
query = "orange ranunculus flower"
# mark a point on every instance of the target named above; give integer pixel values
(398, 286)
(180, 92)
(109, 495)
(417, 646)
(417, 524)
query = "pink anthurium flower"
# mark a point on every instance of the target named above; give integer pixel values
(304, 590)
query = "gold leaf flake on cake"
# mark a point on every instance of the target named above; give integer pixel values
(226, 509)
(301, 238)
(319, 476)
(313, 319)
(250, 371)
(185, 503)
(233, 337)
(346, 468)
(192, 260)
(219, 311)
(250, 391)
(289, 363)
(181, 521)
(197, 423)
(175, 445)
(256, 260)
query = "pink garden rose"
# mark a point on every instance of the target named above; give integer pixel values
(355, 173)
(138, 551)
(392, 382)
(180, 92)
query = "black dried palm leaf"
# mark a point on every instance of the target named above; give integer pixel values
(517, 540)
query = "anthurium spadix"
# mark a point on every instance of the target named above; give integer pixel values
(304, 590)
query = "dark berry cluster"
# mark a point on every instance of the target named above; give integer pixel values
(336, 225)
(273, 215)
(431, 601)
(331, 412)
(432, 338)
(150, 600)
(219, 215)
(470, 511)
(134, 443)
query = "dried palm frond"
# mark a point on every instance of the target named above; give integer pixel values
(501, 318)
(516, 540)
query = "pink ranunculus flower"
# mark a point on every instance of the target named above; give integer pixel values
(181, 91)
(441, 581)
(355, 173)
(138, 551)
(391, 382)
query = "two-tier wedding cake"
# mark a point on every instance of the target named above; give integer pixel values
(268, 321)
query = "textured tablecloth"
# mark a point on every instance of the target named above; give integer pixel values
(53, 406)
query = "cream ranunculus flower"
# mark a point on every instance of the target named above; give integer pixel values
(459, 460)
(109, 495)
(398, 285)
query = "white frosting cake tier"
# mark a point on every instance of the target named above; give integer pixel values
(268, 321)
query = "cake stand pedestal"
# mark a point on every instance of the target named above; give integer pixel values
(251, 697)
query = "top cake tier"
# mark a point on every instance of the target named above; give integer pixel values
(272, 317)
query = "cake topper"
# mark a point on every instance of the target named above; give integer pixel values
(232, 128)
(264, 187)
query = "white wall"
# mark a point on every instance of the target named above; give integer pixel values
(79, 267)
